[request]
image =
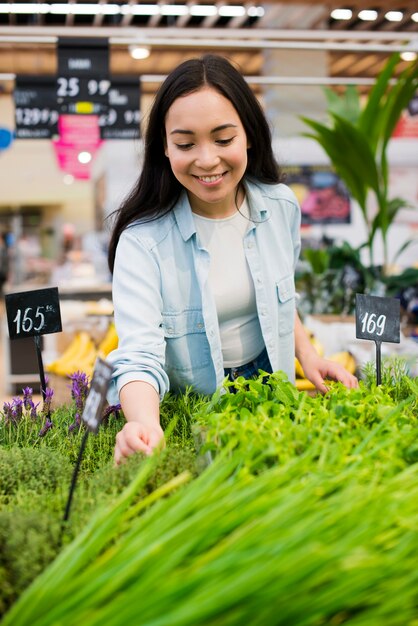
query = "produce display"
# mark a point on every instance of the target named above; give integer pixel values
(267, 506)
(82, 352)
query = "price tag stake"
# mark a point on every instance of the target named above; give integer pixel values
(92, 414)
(378, 319)
(32, 314)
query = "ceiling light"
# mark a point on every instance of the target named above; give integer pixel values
(414, 17)
(341, 14)
(368, 15)
(140, 9)
(139, 52)
(174, 9)
(231, 11)
(203, 10)
(394, 16)
(255, 11)
(84, 157)
(408, 56)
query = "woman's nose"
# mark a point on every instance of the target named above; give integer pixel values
(207, 157)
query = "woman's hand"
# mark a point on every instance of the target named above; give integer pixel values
(142, 431)
(317, 370)
(137, 437)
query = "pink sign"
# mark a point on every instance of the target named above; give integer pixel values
(79, 136)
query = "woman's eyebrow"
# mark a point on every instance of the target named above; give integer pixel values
(182, 131)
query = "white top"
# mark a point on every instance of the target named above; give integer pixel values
(232, 286)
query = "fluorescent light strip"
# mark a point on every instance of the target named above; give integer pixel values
(201, 10)
(231, 11)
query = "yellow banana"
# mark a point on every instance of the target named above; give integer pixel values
(298, 369)
(86, 365)
(67, 366)
(69, 353)
(303, 384)
(109, 341)
(344, 358)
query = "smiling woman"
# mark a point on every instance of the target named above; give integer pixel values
(203, 254)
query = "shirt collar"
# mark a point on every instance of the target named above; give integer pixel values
(184, 216)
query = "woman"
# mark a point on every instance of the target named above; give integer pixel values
(203, 253)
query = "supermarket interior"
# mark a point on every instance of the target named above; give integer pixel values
(223, 431)
(68, 156)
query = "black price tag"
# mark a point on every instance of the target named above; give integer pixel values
(378, 319)
(78, 95)
(96, 399)
(33, 313)
(36, 111)
(123, 117)
(83, 56)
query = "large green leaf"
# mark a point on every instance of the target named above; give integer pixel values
(331, 140)
(397, 100)
(347, 105)
(369, 119)
(356, 149)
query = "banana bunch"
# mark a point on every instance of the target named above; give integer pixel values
(109, 341)
(80, 355)
(344, 358)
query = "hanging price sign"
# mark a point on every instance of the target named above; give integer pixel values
(36, 111)
(378, 319)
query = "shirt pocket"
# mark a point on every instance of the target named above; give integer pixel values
(187, 347)
(286, 304)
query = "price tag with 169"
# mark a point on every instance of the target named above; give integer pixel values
(378, 320)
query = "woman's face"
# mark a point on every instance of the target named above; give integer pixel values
(207, 147)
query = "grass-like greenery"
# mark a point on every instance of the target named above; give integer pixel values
(267, 506)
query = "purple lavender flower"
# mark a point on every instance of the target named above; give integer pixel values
(17, 409)
(8, 412)
(27, 398)
(76, 424)
(33, 410)
(112, 408)
(48, 424)
(79, 389)
(46, 409)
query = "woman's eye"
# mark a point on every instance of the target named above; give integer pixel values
(184, 146)
(225, 142)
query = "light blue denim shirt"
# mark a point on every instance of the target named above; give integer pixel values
(165, 314)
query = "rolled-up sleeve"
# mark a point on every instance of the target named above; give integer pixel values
(137, 302)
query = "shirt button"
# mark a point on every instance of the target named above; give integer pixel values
(199, 326)
(249, 244)
(259, 280)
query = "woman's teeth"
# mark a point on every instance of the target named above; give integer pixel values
(210, 179)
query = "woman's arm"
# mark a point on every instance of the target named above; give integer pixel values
(142, 431)
(316, 368)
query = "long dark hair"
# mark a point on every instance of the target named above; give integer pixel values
(157, 189)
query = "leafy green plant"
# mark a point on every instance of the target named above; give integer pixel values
(356, 141)
(285, 526)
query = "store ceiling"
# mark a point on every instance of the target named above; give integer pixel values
(356, 48)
